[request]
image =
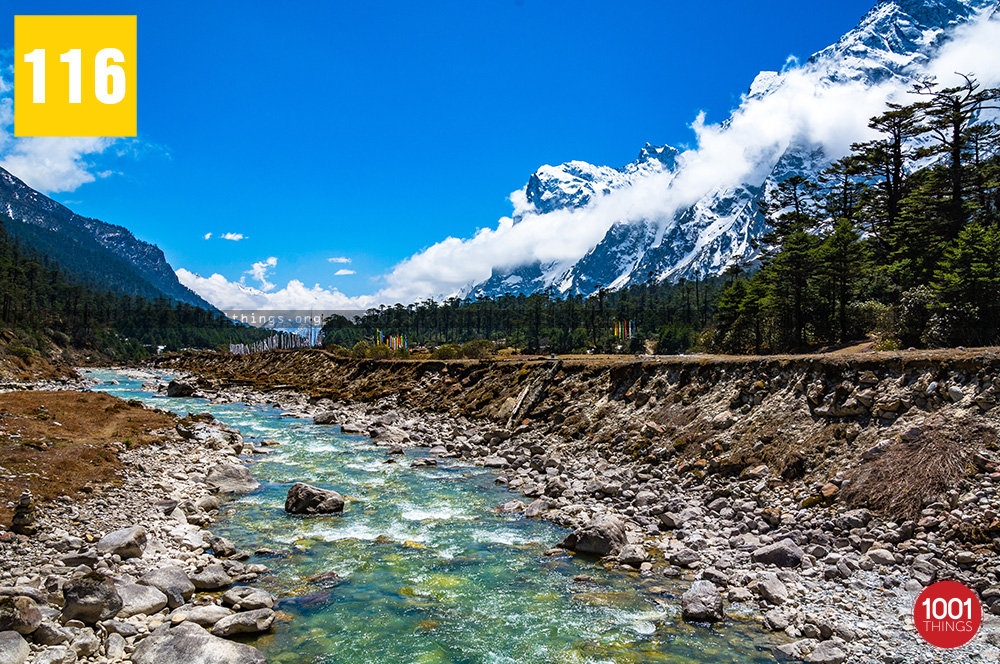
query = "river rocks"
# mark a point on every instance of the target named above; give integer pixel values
(511, 507)
(603, 537)
(633, 554)
(85, 643)
(702, 603)
(51, 634)
(140, 600)
(684, 557)
(57, 655)
(115, 647)
(881, 557)
(188, 643)
(775, 621)
(245, 598)
(178, 388)
(231, 478)
(827, 652)
(172, 581)
(770, 587)
(13, 648)
(20, 614)
(423, 462)
(91, 598)
(307, 499)
(536, 508)
(222, 547)
(125, 543)
(246, 622)
(212, 577)
(329, 417)
(785, 553)
(206, 615)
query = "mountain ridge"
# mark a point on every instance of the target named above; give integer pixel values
(89, 250)
(890, 43)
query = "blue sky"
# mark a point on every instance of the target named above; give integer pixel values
(370, 131)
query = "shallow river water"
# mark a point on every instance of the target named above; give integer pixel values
(427, 571)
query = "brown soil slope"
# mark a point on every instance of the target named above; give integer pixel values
(59, 443)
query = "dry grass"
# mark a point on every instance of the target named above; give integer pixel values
(910, 475)
(57, 443)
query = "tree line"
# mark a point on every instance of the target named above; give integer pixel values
(899, 240)
(40, 306)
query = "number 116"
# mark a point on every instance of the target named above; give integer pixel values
(105, 74)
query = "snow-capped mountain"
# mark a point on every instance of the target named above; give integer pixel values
(889, 49)
(88, 250)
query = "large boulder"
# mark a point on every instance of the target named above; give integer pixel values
(702, 603)
(247, 622)
(91, 598)
(127, 542)
(212, 577)
(172, 581)
(178, 388)
(246, 598)
(328, 417)
(231, 478)
(602, 537)
(13, 648)
(56, 655)
(206, 615)
(20, 614)
(307, 499)
(785, 553)
(140, 600)
(188, 643)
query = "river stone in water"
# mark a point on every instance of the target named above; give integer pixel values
(247, 622)
(603, 537)
(140, 599)
(231, 478)
(172, 581)
(178, 388)
(13, 648)
(91, 598)
(247, 598)
(188, 643)
(702, 603)
(127, 542)
(329, 417)
(213, 577)
(307, 499)
(20, 614)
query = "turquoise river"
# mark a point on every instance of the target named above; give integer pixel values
(427, 570)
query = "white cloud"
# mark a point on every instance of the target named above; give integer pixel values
(295, 295)
(49, 164)
(343, 273)
(235, 237)
(259, 272)
(804, 107)
(208, 236)
(339, 259)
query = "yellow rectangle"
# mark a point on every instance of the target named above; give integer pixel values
(106, 55)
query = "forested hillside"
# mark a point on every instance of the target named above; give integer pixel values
(41, 311)
(900, 239)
